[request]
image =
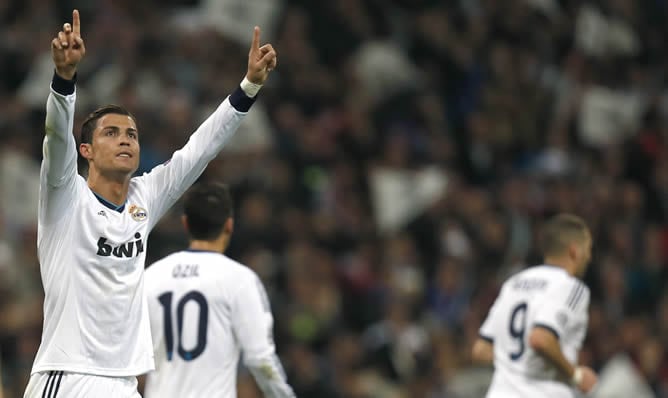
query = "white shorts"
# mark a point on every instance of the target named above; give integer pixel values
(55, 384)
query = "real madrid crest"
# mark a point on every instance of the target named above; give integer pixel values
(138, 213)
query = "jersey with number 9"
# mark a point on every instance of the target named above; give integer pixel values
(543, 296)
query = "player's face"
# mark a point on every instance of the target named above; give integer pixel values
(115, 146)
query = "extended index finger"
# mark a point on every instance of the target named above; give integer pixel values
(76, 23)
(255, 46)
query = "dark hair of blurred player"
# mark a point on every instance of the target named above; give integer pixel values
(208, 212)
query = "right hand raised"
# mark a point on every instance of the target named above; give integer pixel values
(589, 379)
(261, 60)
(68, 48)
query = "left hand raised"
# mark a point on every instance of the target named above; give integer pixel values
(261, 60)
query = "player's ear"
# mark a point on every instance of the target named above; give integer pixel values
(184, 222)
(86, 150)
(574, 250)
(228, 228)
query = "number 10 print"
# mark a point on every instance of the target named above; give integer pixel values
(166, 302)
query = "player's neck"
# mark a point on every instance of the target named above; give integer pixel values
(112, 190)
(218, 245)
(564, 263)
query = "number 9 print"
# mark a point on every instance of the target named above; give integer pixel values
(517, 328)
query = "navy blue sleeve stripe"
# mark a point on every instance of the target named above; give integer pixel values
(548, 328)
(570, 296)
(240, 101)
(574, 294)
(486, 338)
(62, 86)
(577, 298)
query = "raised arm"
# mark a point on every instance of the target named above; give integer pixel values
(167, 182)
(59, 166)
(253, 327)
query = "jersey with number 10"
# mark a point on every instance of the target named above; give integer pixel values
(542, 296)
(206, 309)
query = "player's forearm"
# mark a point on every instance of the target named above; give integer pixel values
(225, 120)
(60, 148)
(217, 129)
(60, 107)
(253, 323)
(188, 163)
(270, 377)
(547, 345)
(483, 352)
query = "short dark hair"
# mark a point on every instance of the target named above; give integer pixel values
(560, 231)
(90, 123)
(207, 207)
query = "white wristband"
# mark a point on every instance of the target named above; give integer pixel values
(578, 375)
(251, 89)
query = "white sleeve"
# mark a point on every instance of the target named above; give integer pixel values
(167, 182)
(559, 309)
(491, 324)
(59, 164)
(253, 328)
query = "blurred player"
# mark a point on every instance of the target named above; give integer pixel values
(206, 308)
(92, 233)
(537, 325)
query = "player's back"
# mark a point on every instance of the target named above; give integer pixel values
(191, 296)
(542, 296)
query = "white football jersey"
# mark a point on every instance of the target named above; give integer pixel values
(92, 253)
(544, 296)
(205, 310)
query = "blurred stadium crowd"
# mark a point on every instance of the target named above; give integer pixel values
(392, 174)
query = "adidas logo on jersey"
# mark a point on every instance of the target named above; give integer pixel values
(127, 249)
